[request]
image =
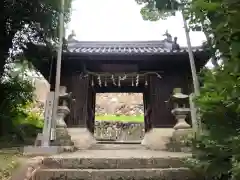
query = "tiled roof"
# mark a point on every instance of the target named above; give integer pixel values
(125, 48)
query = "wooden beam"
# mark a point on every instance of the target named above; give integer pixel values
(116, 89)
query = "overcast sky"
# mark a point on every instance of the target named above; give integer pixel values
(120, 20)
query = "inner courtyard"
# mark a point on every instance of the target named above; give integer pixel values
(119, 117)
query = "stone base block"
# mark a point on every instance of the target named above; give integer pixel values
(180, 134)
(62, 137)
(157, 138)
(41, 150)
(178, 140)
(68, 149)
(81, 137)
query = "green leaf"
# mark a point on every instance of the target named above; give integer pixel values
(235, 46)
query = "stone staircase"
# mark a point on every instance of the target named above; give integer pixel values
(115, 162)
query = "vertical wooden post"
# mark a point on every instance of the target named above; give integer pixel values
(90, 109)
(145, 106)
(160, 91)
(80, 92)
(94, 110)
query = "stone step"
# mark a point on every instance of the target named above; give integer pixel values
(114, 174)
(112, 163)
(117, 146)
(107, 141)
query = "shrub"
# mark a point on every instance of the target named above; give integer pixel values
(19, 119)
(218, 148)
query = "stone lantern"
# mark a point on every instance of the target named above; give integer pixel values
(63, 109)
(182, 129)
(62, 136)
(180, 111)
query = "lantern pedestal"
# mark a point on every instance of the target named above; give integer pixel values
(180, 115)
(181, 130)
(62, 136)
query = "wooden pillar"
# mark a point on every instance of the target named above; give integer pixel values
(145, 108)
(94, 110)
(146, 104)
(91, 109)
(160, 91)
(79, 113)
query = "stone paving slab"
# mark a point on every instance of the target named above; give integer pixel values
(118, 142)
(115, 159)
(122, 153)
(114, 163)
(107, 174)
(116, 146)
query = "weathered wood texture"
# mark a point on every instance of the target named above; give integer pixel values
(146, 103)
(156, 94)
(91, 108)
(83, 109)
(160, 92)
(79, 88)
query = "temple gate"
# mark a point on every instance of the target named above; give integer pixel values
(150, 67)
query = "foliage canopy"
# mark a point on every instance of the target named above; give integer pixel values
(218, 146)
(30, 29)
(26, 24)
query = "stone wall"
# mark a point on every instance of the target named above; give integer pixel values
(119, 104)
(119, 131)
